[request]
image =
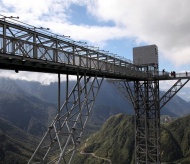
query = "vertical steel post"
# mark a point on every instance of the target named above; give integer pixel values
(145, 98)
(146, 117)
(59, 93)
(136, 100)
(4, 38)
(35, 51)
(147, 122)
(67, 86)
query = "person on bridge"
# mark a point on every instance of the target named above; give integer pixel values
(174, 73)
(163, 71)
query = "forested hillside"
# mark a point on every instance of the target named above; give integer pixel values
(115, 141)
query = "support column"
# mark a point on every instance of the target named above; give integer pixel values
(63, 136)
(4, 39)
(147, 122)
(59, 94)
(147, 103)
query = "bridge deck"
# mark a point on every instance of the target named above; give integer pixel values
(13, 62)
(27, 48)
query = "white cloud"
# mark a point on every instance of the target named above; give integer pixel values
(33, 12)
(54, 14)
(93, 34)
(165, 24)
(44, 78)
(167, 84)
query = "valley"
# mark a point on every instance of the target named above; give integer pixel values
(27, 109)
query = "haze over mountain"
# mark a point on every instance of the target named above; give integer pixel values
(22, 101)
(185, 94)
(23, 110)
(109, 98)
(31, 105)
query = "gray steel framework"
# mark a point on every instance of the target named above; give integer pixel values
(126, 88)
(144, 95)
(172, 91)
(28, 48)
(25, 47)
(60, 142)
(147, 122)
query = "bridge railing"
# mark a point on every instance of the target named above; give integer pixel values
(169, 75)
(29, 44)
(181, 74)
(29, 50)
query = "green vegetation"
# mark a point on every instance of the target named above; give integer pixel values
(170, 149)
(185, 161)
(115, 141)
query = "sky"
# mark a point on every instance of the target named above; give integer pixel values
(112, 25)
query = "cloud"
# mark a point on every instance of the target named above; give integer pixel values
(165, 85)
(33, 12)
(92, 34)
(44, 78)
(55, 14)
(164, 23)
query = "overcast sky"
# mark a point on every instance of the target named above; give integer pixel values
(114, 25)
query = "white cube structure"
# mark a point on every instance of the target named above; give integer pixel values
(146, 55)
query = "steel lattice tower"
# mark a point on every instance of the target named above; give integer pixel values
(147, 122)
(147, 104)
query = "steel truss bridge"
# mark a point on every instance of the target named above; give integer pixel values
(27, 48)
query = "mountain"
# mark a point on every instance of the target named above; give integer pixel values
(30, 107)
(185, 94)
(16, 146)
(23, 110)
(176, 107)
(47, 93)
(108, 102)
(180, 130)
(115, 142)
